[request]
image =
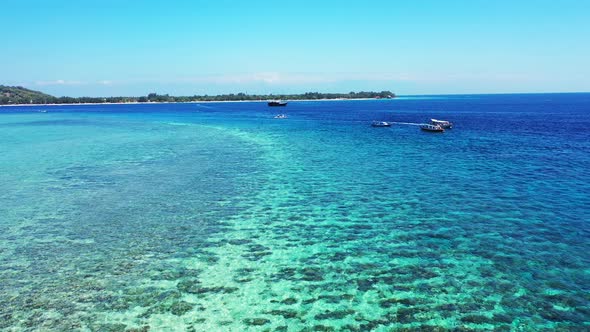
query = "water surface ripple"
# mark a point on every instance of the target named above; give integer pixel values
(196, 217)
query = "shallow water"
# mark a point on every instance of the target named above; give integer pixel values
(217, 217)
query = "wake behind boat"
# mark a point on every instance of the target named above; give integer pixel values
(277, 103)
(380, 124)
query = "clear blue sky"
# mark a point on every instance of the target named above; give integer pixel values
(114, 47)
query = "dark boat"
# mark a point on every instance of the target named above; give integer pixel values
(277, 103)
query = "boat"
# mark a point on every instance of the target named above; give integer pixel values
(277, 103)
(432, 128)
(281, 116)
(442, 123)
(380, 124)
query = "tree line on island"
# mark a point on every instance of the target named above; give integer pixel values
(19, 95)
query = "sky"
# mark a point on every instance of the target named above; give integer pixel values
(132, 47)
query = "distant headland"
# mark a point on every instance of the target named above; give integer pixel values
(17, 95)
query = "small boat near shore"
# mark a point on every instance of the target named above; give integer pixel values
(441, 123)
(380, 124)
(280, 116)
(432, 128)
(277, 103)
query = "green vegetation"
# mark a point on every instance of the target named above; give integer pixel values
(20, 95)
(153, 97)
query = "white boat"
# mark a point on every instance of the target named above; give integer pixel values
(432, 128)
(442, 123)
(281, 116)
(380, 124)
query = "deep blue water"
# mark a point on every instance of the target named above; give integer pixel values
(215, 216)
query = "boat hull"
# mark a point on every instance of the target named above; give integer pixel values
(275, 104)
(433, 130)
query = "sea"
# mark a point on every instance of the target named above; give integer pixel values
(218, 217)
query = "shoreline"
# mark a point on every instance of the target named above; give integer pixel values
(298, 100)
(193, 102)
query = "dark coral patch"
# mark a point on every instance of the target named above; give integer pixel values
(284, 313)
(336, 298)
(365, 284)
(289, 300)
(387, 303)
(477, 319)
(337, 314)
(503, 318)
(238, 242)
(256, 321)
(180, 308)
(312, 274)
(406, 315)
(188, 286)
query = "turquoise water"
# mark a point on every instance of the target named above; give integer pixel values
(216, 217)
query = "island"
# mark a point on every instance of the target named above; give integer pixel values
(18, 95)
